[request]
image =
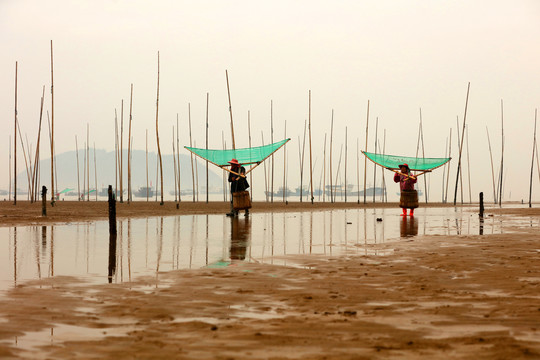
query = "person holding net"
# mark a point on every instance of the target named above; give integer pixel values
(409, 196)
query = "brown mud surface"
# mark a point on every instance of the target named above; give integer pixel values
(435, 297)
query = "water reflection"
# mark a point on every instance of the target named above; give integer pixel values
(409, 227)
(150, 246)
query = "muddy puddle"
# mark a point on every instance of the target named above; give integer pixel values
(149, 246)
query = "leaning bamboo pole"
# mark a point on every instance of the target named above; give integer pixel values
(532, 161)
(78, 177)
(15, 141)
(191, 145)
(129, 145)
(230, 110)
(492, 168)
(365, 158)
(310, 151)
(37, 157)
(461, 146)
(157, 135)
(52, 128)
(24, 154)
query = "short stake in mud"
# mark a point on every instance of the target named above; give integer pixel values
(43, 201)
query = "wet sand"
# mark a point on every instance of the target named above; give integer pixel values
(435, 297)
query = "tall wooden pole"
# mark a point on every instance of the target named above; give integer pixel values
(330, 155)
(129, 145)
(310, 151)
(249, 138)
(15, 141)
(157, 135)
(502, 155)
(365, 158)
(122, 152)
(207, 102)
(272, 141)
(492, 167)
(532, 161)
(461, 145)
(285, 167)
(53, 198)
(191, 145)
(230, 110)
(78, 177)
(345, 189)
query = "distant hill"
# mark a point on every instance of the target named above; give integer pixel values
(66, 167)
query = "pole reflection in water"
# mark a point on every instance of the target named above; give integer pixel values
(146, 247)
(408, 227)
(240, 236)
(112, 257)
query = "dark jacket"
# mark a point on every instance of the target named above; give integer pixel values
(238, 183)
(405, 183)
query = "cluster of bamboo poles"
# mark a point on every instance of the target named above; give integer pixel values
(33, 171)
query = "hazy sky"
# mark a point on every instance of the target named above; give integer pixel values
(402, 56)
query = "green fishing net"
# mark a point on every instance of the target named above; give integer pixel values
(393, 161)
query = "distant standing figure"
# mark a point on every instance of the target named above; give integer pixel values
(238, 183)
(409, 196)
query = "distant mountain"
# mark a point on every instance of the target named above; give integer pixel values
(66, 167)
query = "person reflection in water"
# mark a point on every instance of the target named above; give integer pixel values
(408, 227)
(240, 230)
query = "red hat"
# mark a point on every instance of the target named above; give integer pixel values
(407, 166)
(233, 162)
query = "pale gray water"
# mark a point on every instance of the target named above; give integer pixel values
(151, 245)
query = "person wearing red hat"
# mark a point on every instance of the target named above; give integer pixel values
(409, 196)
(238, 183)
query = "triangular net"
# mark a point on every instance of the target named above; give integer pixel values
(393, 161)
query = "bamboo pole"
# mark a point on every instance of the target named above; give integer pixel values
(230, 110)
(365, 158)
(157, 135)
(265, 173)
(147, 188)
(207, 187)
(424, 155)
(461, 174)
(302, 163)
(285, 167)
(444, 170)
(537, 162)
(53, 198)
(324, 169)
(358, 169)
(272, 141)
(191, 145)
(9, 191)
(249, 137)
(88, 159)
(174, 165)
(330, 157)
(196, 175)
(78, 177)
(310, 151)
(384, 197)
(502, 155)
(375, 168)
(122, 152)
(178, 159)
(37, 157)
(337, 172)
(532, 161)
(157, 175)
(84, 173)
(95, 172)
(492, 168)
(461, 146)
(31, 168)
(15, 141)
(448, 172)
(116, 154)
(468, 167)
(345, 189)
(24, 154)
(129, 199)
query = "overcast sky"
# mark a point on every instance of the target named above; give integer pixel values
(402, 56)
